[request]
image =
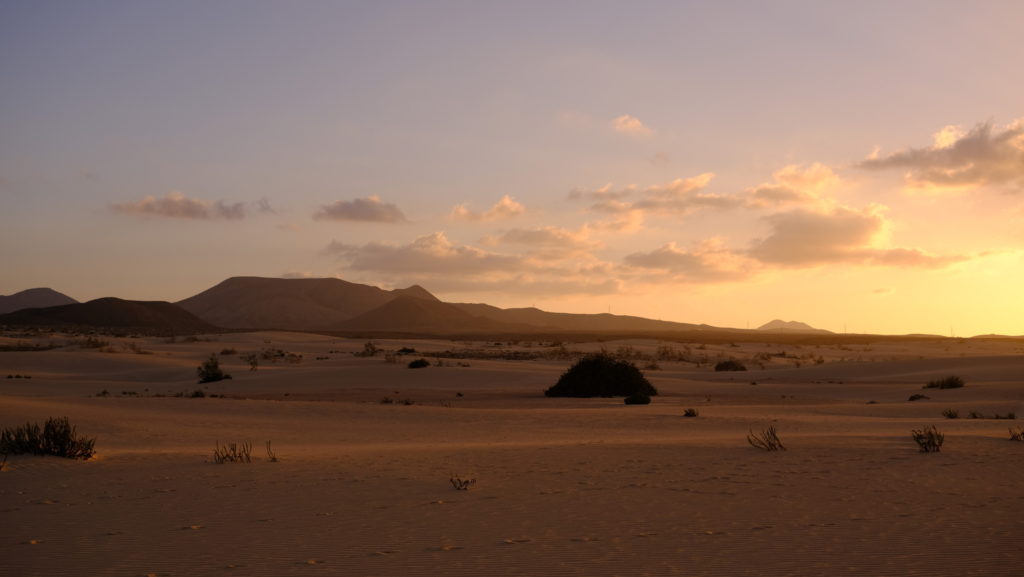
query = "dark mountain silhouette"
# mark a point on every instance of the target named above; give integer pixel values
(150, 317)
(543, 320)
(32, 299)
(781, 326)
(407, 314)
(294, 304)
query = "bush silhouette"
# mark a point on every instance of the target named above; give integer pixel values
(56, 437)
(950, 382)
(730, 365)
(601, 375)
(419, 364)
(210, 371)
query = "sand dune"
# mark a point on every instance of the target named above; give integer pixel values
(564, 486)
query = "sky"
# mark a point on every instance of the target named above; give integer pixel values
(858, 166)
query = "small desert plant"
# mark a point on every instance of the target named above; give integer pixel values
(1017, 434)
(459, 483)
(387, 401)
(56, 437)
(197, 394)
(419, 364)
(767, 440)
(209, 371)
(730, 365)
(637, 399)
(951, 413)
(950, 382)
(928, 439)
(370, 349)
(691, 412)
(233, 453)
(271, 456)
(253, 359)
(975, 415)
(918, 397)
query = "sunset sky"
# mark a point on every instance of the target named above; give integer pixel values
(856, 166)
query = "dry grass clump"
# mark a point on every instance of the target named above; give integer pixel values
(767, 440)
(691, 412)
(233, 453)
(1017, 434)
(950, 382)
(459, 483)
(730, 365)
(56, 437)
(928, 439)
(951, 413)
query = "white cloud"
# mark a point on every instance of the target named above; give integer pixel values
(627, 124)
(369, 209)
(505, 208)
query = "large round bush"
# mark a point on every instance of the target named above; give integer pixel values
(601, 375)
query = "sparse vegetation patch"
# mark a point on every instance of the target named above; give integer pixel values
(767, 440)
(209, 371)
(56, 437)
(730, 365)
(691, 412)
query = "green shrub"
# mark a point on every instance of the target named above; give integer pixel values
(601, 375)
(637, 399)
(730, 365)
(56, 437)
(419, 364)
(209, 371)
(950, 382)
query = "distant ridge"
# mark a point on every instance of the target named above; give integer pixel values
(781, 326)
(414, 314)
(294, 304)
(33, 298)
(150, 317)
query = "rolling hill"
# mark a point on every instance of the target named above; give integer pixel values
(33, 298)
(149, 317)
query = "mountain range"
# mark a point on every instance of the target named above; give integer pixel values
(337, 306)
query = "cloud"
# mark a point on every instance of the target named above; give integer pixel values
(802, 238)
(680, 197)
(433, 254)
(369, 209)
(708, 261)
(793, 185)
(503, 209)
(434, 260)
(177, 205)
(627, 124)
(983, 156)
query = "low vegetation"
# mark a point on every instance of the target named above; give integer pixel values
(918, 397)
(950, 382)
(459, 483)
(730, 365)
(56, 437)
(419, 364)
(601, 375)
(951, 413)
(233, 453)
(767, 440)
(928, 439)
(1017, 434)
(691, 412)
(209, 371)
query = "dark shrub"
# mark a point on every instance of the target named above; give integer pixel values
(691, 412)
(419, 364)
(210, 371)
(950, 382)
(601, 375)
(637, 399)
(56, 437)
(918, 397)
(730, 365)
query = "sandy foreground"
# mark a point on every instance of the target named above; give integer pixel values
(563, 486)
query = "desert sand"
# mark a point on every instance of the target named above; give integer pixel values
(563, 486)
